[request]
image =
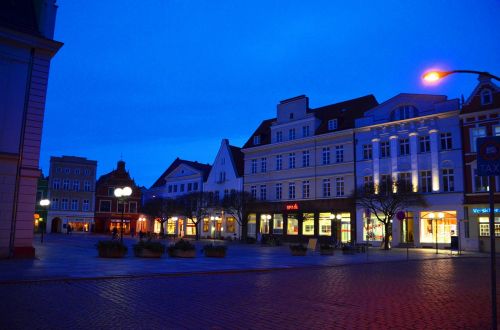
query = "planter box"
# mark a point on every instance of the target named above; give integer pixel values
(326, 252)
(215, 253)
(298, 252)
(111, 253)
(182, 254)
(145, 253)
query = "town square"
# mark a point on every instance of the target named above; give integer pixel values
(243, 165)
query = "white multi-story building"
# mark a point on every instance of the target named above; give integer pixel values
(71, 194)
(225, 177)
(181, 177)
(26, 49)
(299, 167)
(413, 138)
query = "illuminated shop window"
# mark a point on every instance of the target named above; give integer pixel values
(373, 230)
(278, 224)
(325, 224)
(206, 224)
(345, 227)
(265, 220)
(230, 224)
(484, 226)
(293, 225)
(437, 224)
(171, 226)
(190, 227)
(308, 224)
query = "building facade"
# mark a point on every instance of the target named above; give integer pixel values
(299, 169)
(225, 177)
(42, 192)
(479, 117)
(180, 178)
(26, 49)
(109, 210)
(413, 139)
(71, 194)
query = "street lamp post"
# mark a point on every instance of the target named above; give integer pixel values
(44, 203)
(434, 76)
(122, 194)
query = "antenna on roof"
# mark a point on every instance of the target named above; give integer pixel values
(121, 155)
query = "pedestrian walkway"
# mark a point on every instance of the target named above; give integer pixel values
(75, 256)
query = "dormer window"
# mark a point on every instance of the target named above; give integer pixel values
(486, 97)
(256, 140)
(332, 124)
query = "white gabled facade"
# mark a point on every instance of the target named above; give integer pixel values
(416, 138)
(225, 176)
(181, 177)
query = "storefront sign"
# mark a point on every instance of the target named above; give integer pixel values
(488, 156)
(484, 210)
(290, 207)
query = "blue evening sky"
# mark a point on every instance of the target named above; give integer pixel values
(159, 79)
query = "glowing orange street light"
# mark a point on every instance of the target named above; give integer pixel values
(433, 76)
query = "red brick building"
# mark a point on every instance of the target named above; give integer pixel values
(479, 117)
(108, 210)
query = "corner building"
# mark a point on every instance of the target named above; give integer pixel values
(27, 47)
(299, 168)
(414, 139)
(479, 117)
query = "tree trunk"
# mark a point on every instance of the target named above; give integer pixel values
(387, 236)
(196, 233)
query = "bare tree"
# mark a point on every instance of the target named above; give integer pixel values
(160, 209)
(235, 203)
(386, 200)
(195, 206)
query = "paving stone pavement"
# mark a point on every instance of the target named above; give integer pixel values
(448, 293)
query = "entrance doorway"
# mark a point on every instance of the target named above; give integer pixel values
(56, 225)
(407, 235)
(180, 227)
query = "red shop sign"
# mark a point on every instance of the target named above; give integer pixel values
(294, 206)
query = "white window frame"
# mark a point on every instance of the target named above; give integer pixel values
(333, 124)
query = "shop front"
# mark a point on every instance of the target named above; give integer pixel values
(328, 220)
(218, 225)
(478, 228)
(419, 228)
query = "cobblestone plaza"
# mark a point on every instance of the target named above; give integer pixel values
(345, 292)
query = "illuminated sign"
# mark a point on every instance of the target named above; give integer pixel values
(293, 206)
(37, 216)
(484, 210)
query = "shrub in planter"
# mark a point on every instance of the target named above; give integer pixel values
(149, 249)
(215, 251)
(111, 249)
(298, 250)
(182, 249)
(326, 249)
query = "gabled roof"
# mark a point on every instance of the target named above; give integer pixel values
(204, 168)
(19, 15)
(346, 112)
(238, 160)
(120, 174)
(473, 102)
